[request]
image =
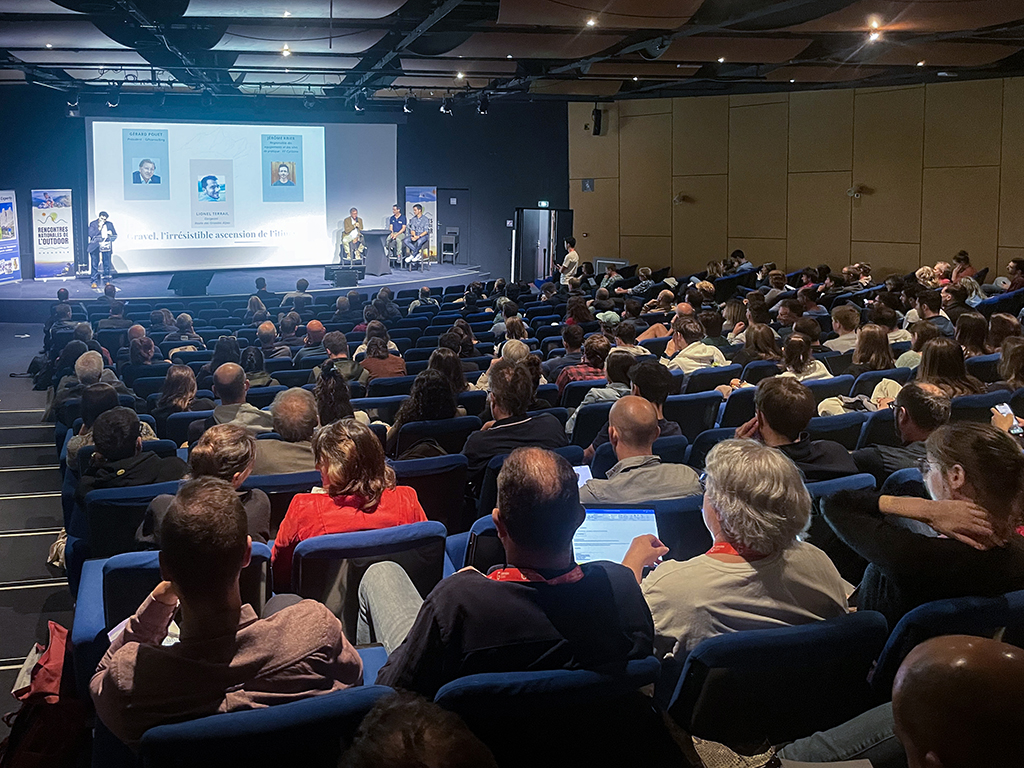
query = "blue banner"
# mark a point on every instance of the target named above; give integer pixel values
(10, 250)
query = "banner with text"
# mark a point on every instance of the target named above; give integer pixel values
(53, 234)
(427, 198)
(10, 253)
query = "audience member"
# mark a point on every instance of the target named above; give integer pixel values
(954, 301)
(508, 310)
(1002, 326)
(289, 336)
(301, 288)
(225, 351)
(254, 307)
(510, 397)
(313, 344)
(379, 363)
(799, 362)
(178, 395)
(542, 611)
(1011, 366)
(184, 332)
(141, 354)
(759, 343)
(268, 298)
(616, 373)
(872, 352)
(228, 659)
(295, 419)
(336, 345)
(572, 341)
(431, 398)
(375, 329)
(447, 363)
(790, 310)
(713, 323)
(116, 318)
(266, 336)
(359, 493)
(96, 399)
(638, 476)
(929, 305)
(230, 387)
(845, 320)
(595, 352)
(691, 353)
(334, 397)
(783, 409)
(886, 317)
(625, 339)
(971, 333)
(942, 364)
(975, 473)
(643, 288)
(962, 267)
(921, 333)
(226, 452)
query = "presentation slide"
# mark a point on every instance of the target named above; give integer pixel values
(222, 196)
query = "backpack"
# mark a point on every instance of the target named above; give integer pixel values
(51, 727)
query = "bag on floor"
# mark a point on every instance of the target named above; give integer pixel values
(51, 728)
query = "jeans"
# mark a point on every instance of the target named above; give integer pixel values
(415, 250)
(388, 605)
(101, 265)
(866, 737)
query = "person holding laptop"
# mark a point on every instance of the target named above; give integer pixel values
(639, 476)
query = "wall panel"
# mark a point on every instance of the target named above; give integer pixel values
(593, 156)
(960, 210)
(819, 219)
(887, 258)
(700, 227)
(758, 151)
(596, 217)
(645, 175)
(649, 251)
(700, 136)
(1011, 187)
(962, 123)
(759, 250)
(821, 131)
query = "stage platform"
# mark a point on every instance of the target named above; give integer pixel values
(30, 300)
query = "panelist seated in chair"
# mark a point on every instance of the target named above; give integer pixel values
(227, 658)
(396, 231)
(352, 243)
(541, 612)
(417, 238)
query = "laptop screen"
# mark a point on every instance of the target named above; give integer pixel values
(607, 533)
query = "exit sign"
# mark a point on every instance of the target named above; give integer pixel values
(543, 204)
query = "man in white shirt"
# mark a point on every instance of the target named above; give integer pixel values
(845, 321)
(571, 263)
(693, 354)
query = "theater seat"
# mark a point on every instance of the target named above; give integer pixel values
(671, 450)
(440, 485)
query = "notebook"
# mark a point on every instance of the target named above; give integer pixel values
(607, 533)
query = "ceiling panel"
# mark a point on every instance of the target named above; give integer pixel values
(440, 83)
(296, 61)
(284, 78)
(296, 9)
(944, 54)
(745, 50)
(609, 14)
(474, 66)
(96, 57)
(33, 6)
(917, 15)
(544, 45)
(598, 88)
(60, 33)
(247, 37)
(645, 70)
(813, 74)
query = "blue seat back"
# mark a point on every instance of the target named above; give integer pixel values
(176, 428)
(704, 442)
(905, 482)
(756, 370)
(825, 488)
(484, 550)
(739, 408)
(866, 382)
(489, 485)
(380, 408)
(390, 386)
(984, 367)
(474, 401)
(590, 419)
(837, 386)
(693, 413)
(844, 429)
(450, 434)
(976, 407)
(144, 387)
(114, 514)
(706, 379)
(727, 693)
(879, 429)
(440, 484)
(280, 489)
(309, 732)
(262, 397)
(671, 450)
(329, 568)
(575, 391)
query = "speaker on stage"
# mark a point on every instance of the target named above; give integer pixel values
(344, 276)
(190, 283)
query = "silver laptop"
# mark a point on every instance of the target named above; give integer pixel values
(607, 533)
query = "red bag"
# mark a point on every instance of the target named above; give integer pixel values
(51, 728)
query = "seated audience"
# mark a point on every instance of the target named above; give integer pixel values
(266, 337)
(462, 345)
(572, 341)
(691, 353)
(783, 409)
(577, 312)
(759, 343)
(638, 476)
(954, 301)
(313, 343)
(595, 352)
(424, 299)
(336, 345)
(256, 373)
(343, 312)
(713, 321)
(1011, 366)
(96, 399)
(845, 320)
(920, 334)
(942, 364)
(295, 420)
(616, 372)
(975, 473)
(971, 332)
(88, 370)
(225, 351)
(758, 574)
(810, 328)
(375, 329)
(624, 337)
(178, 395)
(359, 493)
(228, 658)
(430, 399)
(289, 330)
(508, 310)
(542, 611)
(808, 298)
(254, 306)
(334, 396)
(119, 461)
(116, 318)
(886, 317)
(301, 289)
(1002, 326)
(799, 362)
(141, 354)
(230, 387)
(511, 395)
(665, 302)
(929, 306)
(226, 452)
(379, 363)
(872, 352)
(790, 310)
(447, 363)
(184, 332)
(642, 289)
(387, 298)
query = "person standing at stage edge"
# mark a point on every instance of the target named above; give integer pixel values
(101, 248)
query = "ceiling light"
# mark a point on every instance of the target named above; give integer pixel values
(73, 98)
(446, 105)
(721, 59)
(309, 100)
(286, 51)
(286, 14)
(49, 45)
(920, 63)
(792, 81)
(874, 23)
(484, 104)
(114, 97)
(509, 56)
(591, 22)
(360, 103)
(407, 106)
(874, 37)
(460, 76)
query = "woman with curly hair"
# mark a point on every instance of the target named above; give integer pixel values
(359, 493)
(430, 399)
(576, 312)
(447, 363)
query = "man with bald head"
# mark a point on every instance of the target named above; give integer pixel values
(639, 476)
(266, 335)
(230, 387)
(958, 702)
(313, 343)
(134, 332)
(542, 611)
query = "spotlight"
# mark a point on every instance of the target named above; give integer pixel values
(206, 100)
(359, 104)
(408, 104)
(920, 63)
(721, 59)
(874, 37)
(309, 100)
(73, 97)
(286, 51)
(591, 22)
(460, 76)
(49, 45)
(114, 97)
(446, 105)
(484, 104)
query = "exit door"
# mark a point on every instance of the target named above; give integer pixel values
(453, 218)
(538, 238)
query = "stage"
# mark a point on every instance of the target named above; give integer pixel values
(30, 300)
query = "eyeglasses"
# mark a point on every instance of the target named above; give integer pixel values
(702, 478)
(924, 466)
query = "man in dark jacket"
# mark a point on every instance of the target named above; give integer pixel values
(119, 461)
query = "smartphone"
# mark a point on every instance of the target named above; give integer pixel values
(1004, 409)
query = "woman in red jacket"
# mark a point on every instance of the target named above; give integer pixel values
(358, 494)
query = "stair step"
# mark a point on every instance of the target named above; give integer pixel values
(30, 455)
(24, 611)
(24, 417)
(30, 512)
(30, 479)
(23, 556)
(26, 434)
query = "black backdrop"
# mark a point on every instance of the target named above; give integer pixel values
(512, 157)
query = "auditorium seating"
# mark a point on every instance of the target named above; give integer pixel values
(671, 450)
(450, 434)
(977, 407)
(866, 382)
(589, 421)
(693, 413)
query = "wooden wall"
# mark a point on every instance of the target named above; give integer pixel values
(684, 181)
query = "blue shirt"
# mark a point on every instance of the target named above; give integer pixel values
(419, 224)
(395, 223)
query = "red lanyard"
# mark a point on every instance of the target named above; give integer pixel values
(725, 548)
(524, 575)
